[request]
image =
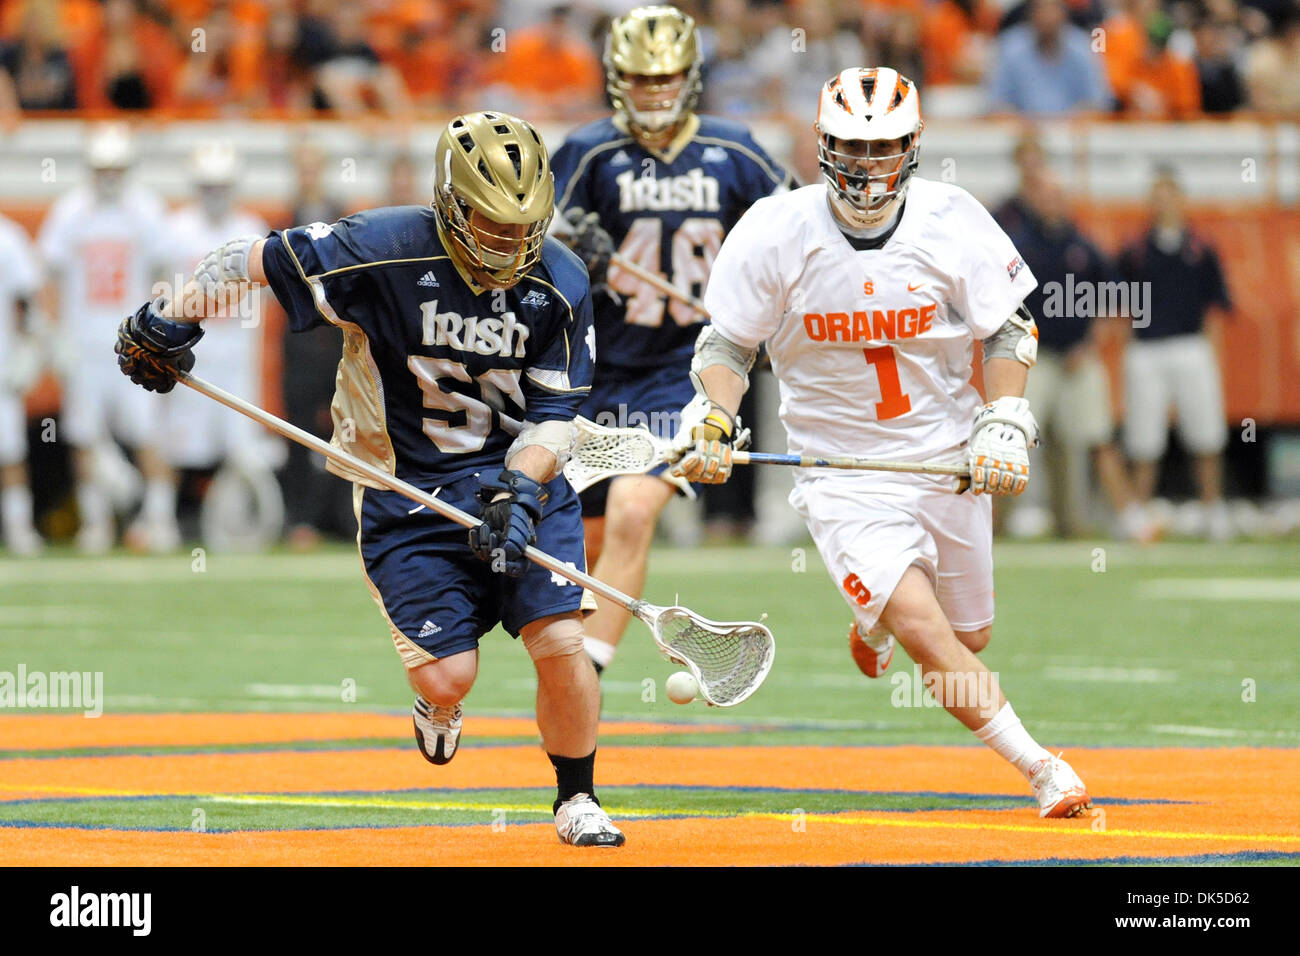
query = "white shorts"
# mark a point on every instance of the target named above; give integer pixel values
(1074, 406)
(198, 433)
(99, 401)
(13, 428)
(871, 527)
(1179, 372)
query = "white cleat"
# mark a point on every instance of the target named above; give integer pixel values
(1059, 790)
(95, 539)
(437, 730)
(580, 821)
(152, 536)
(24, 542)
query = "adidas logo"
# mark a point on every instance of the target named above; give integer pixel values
(713, 154)
(535, 298)
(621, 158)
(429, 629)
(429, 280)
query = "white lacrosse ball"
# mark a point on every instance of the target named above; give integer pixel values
(682, 688)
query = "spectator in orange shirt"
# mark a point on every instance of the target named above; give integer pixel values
(1148, 78)
(953, 41)
(130, 63)
(549, 68)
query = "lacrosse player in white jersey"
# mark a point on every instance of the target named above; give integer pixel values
(19, 368)
(199, 433)
(870, 289)
(103, 244)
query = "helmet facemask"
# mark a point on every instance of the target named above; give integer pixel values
(669, 100)
(856, 176)
(498, 254)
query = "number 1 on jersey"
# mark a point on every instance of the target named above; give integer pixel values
(892, 400)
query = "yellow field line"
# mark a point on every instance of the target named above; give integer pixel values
(910, 822)
(1021, 828)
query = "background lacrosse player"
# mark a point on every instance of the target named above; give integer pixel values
(103, 245)
(869, 289)
(659, 185)
(467, 350)
(18, 367)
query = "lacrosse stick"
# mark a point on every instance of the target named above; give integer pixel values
(659, 282)
(729, 659)
(603, 452)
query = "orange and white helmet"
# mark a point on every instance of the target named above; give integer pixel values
(865, 105)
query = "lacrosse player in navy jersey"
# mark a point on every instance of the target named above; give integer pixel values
(468, 349)
(661, 186)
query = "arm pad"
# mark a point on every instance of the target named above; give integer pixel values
(714, 348)
(223, 265)
(557, 437)
(1017, 338)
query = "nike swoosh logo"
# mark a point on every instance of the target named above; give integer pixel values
(913, 288)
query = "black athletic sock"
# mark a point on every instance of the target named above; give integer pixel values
(600, 668)
(573, 775)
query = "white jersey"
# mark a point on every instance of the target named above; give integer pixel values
(19, 279)
(105, 258)
(872, 348)
(229, 342)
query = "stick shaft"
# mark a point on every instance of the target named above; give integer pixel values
(659, 282)
(393, 483)
(862, 464)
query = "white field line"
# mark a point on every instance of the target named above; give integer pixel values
(1220, 589)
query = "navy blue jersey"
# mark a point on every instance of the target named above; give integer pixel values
(1184, 285)
(668, 213)
(435, 378)
(1071, 272)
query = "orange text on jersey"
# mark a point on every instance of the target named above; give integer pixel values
(859, 327)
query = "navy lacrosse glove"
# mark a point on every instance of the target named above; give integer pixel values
(151, 349)
(509, 522)
(592, 244)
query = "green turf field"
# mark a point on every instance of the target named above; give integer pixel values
(1159, 649)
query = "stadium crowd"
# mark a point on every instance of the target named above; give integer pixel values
(1156, 58)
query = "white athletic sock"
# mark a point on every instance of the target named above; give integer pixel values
(159, 501)
(599, 651)
(16, 509)
(92, 503)
(1009, 739)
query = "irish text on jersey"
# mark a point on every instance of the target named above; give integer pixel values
(503, 335)
(691, 190)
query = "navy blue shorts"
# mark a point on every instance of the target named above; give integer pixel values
(433, 589)
(634, 398)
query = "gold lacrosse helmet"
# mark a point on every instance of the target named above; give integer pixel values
(658, 42)
(494, 196)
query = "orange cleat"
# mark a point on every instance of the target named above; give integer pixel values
(872, 659)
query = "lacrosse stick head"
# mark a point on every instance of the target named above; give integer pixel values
(729, 659)
(602, 452)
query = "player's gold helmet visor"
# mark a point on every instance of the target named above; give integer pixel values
(494, 196)
(659, 42)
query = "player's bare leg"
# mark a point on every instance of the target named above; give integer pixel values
(915, 618)
(1209, 482)
(568, 712)
(633, 507)
(440, 686)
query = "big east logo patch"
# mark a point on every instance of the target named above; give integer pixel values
(861, 326)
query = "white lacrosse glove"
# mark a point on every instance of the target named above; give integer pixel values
(998, 456)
